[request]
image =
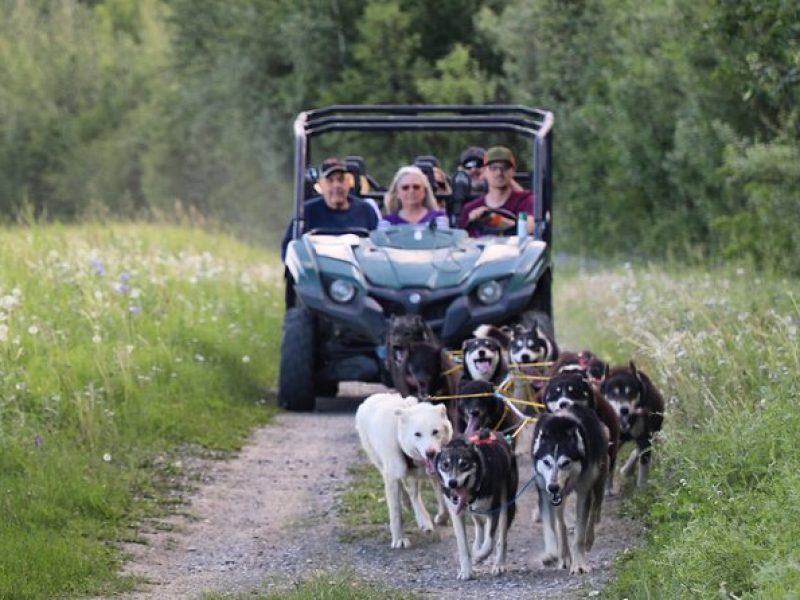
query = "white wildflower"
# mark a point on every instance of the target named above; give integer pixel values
(245, 359)
(107, 457)
(96, 338)
(33, 330)
(8, 302)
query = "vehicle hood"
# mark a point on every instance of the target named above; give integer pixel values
(418, 257)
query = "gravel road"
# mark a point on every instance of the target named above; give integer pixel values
(268, 517)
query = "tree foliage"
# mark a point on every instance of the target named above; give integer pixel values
(676, 120)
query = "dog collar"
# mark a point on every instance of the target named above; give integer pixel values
(482, 437)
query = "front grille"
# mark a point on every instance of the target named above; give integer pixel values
(436, 311)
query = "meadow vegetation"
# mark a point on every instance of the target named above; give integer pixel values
(124, 350)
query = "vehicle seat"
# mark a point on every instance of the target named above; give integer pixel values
(426, 162)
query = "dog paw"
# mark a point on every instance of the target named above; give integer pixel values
(478, 557)
(441, 518)
(498, 569)
(549, 560)
(464, 574)
(579, 568)
(425, 525)
(403, 542)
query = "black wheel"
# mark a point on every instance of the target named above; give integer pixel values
(296, 375)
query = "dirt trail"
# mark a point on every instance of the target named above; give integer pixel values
(269, 516)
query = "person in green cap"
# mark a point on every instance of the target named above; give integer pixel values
(478, 216)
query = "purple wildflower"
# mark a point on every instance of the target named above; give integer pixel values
(97, 267)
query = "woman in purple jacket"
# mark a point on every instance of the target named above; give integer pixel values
(410, 200)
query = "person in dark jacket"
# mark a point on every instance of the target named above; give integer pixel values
(336, 209)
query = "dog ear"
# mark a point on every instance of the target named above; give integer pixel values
(633, 369)
(448, 426)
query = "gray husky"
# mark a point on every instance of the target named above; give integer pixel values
(569, 455)
(479, 476)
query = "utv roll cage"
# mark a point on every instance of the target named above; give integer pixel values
(531, 123)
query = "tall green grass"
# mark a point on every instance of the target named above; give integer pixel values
(119, 346)
(722, 513)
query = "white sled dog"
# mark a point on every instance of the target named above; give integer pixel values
(402, 437)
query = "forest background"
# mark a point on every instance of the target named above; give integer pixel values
(676, 120)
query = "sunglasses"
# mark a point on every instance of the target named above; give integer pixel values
(441, 185)
(410, 186)
(473, 164)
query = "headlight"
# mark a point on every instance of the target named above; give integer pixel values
(342, 291)
(490, 292)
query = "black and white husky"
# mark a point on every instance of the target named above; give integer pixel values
(480, 407)
(484, 360)
(531, 343)
(640, 407)
(573, 387)
(479, 476)
(569, 455)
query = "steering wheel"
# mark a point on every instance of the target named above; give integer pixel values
(489, 222)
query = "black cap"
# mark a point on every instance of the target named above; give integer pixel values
(330, 166)
(474, 155)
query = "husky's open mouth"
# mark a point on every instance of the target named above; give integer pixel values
(556, 498)
(430, 468)
(399, 354)
(459, 497)
(484, 365)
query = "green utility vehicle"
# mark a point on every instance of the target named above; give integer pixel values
(342, 287)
